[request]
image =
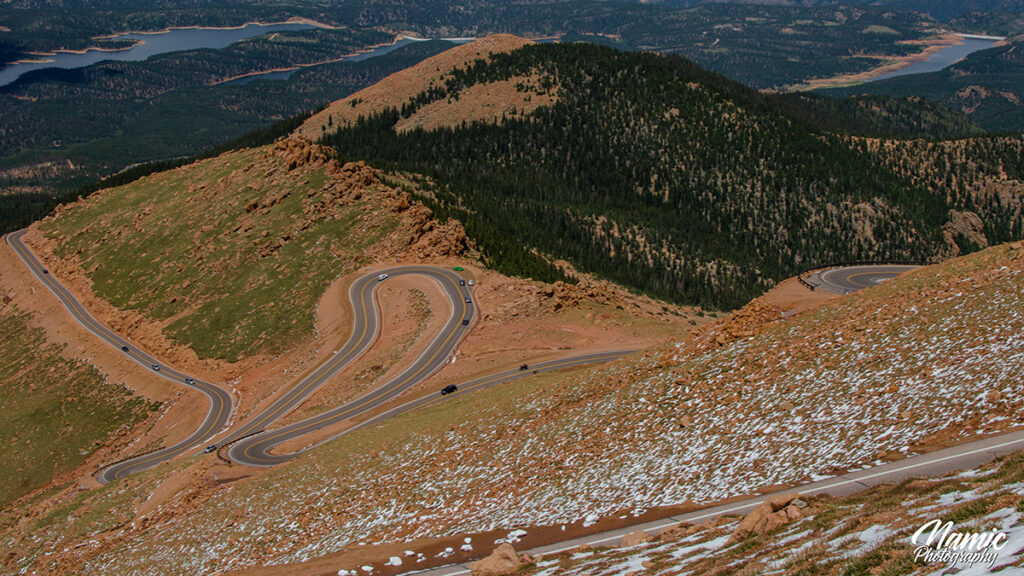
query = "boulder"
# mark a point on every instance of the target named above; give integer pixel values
(636, 538)
(768, 516)
(502, 562)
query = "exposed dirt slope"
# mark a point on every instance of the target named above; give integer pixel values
(398, 88)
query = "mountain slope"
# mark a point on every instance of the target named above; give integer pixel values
(920, 361)
(230, 255)
(663, 177)
(54, 411)
(868, 533)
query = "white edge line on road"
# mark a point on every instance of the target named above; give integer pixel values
(750, 504)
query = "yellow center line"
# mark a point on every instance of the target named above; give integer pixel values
(376, 394)
(323, 376)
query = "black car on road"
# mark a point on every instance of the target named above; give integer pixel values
(449, 389)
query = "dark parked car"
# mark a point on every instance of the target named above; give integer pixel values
(465, 322)
(469, 300)
(449, 389)
(124, 348)
(462, 282)
(524, 367)
(209, 448)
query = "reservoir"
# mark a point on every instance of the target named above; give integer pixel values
(945, 57)
(149, 44)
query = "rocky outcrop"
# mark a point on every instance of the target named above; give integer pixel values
(502, 562)
(775, 511)
(299, 152)
(966, 225)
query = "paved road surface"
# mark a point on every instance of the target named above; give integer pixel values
(967, 455)
(486, 382)
(253, 450)
(220, 399)
(853, 278)
(251, 443)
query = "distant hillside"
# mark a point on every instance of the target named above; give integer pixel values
(66, 128)
(987, 86)
(669, 179)
(940, 9)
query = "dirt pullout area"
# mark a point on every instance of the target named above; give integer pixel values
(397, 88)
(893, 63)
(182, 409)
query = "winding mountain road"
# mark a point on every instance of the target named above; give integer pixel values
(220, 399)
(255, 450)
(252, 449)
(250, 441)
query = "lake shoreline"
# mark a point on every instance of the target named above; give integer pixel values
(137, 42)
(895, 64)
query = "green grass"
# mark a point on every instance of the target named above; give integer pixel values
(53, 411)
(181, 247)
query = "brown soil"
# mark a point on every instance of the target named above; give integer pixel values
(489, 102)
(394, 90)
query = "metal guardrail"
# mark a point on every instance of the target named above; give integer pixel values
(808, 271)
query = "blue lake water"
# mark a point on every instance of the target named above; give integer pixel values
(151, 44)
(943, 58)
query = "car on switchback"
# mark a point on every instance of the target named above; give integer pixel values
(382, 277)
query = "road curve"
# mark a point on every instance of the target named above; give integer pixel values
(365, 327)
(852, 278)
(220, 399)
(467, 387)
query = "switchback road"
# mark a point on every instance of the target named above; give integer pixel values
(220, 399)
(251, 441)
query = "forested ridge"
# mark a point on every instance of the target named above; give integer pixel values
(672, 180)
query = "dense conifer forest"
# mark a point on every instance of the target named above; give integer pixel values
(675, 181)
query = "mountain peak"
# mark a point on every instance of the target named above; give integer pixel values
(399, 87)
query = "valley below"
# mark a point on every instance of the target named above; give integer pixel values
(507, 307)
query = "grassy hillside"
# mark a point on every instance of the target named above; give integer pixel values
(987, 86)
(928, 358)
(231, 253)
(53, 411)
(670, 179)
